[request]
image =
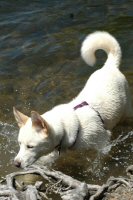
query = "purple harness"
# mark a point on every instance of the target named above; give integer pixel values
(84, 103)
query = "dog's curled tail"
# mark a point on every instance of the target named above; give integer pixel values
(101, 40)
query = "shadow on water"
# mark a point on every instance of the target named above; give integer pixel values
(40, 66)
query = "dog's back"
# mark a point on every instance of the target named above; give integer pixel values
(107, 89)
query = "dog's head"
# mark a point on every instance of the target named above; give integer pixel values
(34, 138)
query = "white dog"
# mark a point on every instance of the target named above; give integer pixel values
(86, 121)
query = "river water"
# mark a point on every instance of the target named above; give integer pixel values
(40, 67)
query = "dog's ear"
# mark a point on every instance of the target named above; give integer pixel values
(20, 117)
(38, 122)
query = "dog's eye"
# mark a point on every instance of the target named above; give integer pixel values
(30, 146)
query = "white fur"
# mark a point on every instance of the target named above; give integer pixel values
(106, 92)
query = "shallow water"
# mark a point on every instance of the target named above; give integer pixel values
(40, 67)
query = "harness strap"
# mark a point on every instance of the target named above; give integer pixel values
(58, 147)
(84, 103)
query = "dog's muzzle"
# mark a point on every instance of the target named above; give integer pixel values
(17, 163)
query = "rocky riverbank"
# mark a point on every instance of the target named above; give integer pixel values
(41, 183)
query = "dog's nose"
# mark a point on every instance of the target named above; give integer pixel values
(17, 163)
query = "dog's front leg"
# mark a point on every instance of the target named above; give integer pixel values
(48, 159)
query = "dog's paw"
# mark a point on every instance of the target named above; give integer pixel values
(48, 159)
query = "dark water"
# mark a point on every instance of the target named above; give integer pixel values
(40, 66)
